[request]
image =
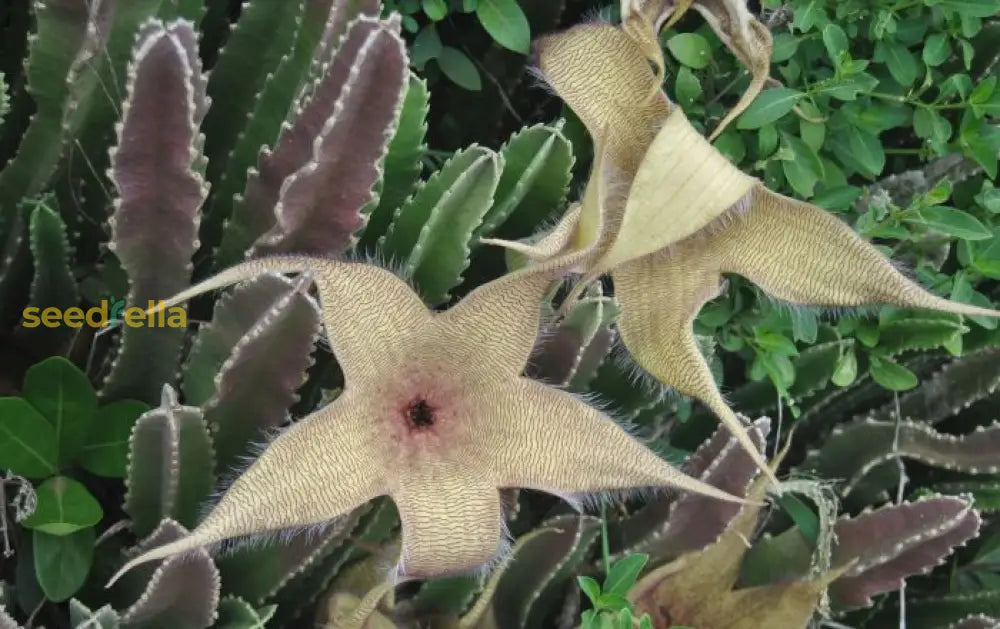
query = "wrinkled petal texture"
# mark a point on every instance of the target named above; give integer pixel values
(564, 446)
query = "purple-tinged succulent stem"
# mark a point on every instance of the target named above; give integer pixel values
(156, 169)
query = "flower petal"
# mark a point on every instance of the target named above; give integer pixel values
(660, 295)
(682, 184)
(363, 332)
(553, 243)
(749, 40)
(494, 328)
(605, 78)
(452, 521)
(542, 438)
(322, 467)
(802, 254)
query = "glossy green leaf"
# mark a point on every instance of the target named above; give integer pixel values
(859, 150)
(936, 49)
(835, 40)
(687, 87)
(590, 587)
(901, 62)
(891, 374)
(846, 370)
(691, 49)
(62, 562)
(981, 142)
(623, 574)
(930, 125)
(459, 68)
(506, 23)
(785, 46)
(426, 46)
(63, 395)
(952, 222)
(970, 8)
(28, 443)
(771, 105)
(64, 506)
(435, 9)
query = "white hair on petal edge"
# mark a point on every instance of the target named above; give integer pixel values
(539, 80)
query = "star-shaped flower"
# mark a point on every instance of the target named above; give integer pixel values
(691, 216)
(434, 413)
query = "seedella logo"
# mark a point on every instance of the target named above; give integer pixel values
(107, 313)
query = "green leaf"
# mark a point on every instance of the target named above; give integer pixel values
(985, 98)
(839, 198)
(936, 49)
(459, 68)
(62, 562)
(891, 375)
(771, 105)
(931, 126)
(612, 602)
(64, 506)
(805, 169)
(800, 513)
(859, 150)
(63, 395)
(435, 9)
(981, 142)
(625, 619)
(785, 46)
(953, 222)
(989, 198)
(105, 452)
(775, 343)
(506, 23)
(970, 8)
(846, 370)
(687, 88)
(691, 49)
(809, 14)
(27, 441)
(590, 587)
(901, 62)
(835, 40)
(426, 46)
(847, 87)
(623, 574)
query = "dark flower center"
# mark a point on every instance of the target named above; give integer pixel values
(420, 414)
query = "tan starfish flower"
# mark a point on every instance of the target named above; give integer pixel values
(434, 413)
(691, 216)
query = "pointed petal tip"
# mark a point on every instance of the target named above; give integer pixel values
(185, 544)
